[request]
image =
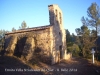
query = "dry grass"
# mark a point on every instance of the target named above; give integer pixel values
(96, 63)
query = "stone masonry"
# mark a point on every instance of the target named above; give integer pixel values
(48, 41)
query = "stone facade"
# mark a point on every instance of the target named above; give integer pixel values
(58, 32)
(47, 41)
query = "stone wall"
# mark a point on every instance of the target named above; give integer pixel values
(38, 42)
(59, 36)
(29, 48)
(11, 45)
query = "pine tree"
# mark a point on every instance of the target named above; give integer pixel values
(23, 25)
(13, 29)
(94, 21)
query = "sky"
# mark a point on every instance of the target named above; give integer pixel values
(35, 13)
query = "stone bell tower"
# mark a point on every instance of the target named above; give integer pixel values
(59, 36)
(55, 15)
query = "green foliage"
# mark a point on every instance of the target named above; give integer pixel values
(68, 36)
(84, 39)
(2, 34)
(94, 15)
(88, 33)
(23, 25)
(74, 49)
(70, 39)
(94, 22)
(13, 29)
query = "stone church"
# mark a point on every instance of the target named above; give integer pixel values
(48, 41)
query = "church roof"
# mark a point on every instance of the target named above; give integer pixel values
(29, 29)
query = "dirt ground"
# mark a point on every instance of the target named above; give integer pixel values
(75, 66)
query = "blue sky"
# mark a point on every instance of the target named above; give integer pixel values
(35, 12)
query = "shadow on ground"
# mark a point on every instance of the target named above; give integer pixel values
(76, 66)
(13, 66)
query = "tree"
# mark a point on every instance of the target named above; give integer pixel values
(94, 15)
(2, 34)
(75, 50)
(23, 25)
(13, 29)
(94, 21)
(74, 37)
(84, 39)
(69, 39)
(67, 36)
